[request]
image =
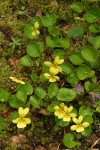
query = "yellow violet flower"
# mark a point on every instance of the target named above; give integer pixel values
(64, 112)
(51, 77)
(79, 127)
(22, 121)
(35, 29)
(16, 80)
(54, 68)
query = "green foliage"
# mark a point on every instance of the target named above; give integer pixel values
(52, 90)
(79, 71)
(35, 101)
(35, 49)
(40, 92)
(67, 68)
(77, 6)
(49, 19)
(76, 59)
(76, 31)
(4, 95)
(84, 111)
(26, 61)
(65, 94)
(92, 14)
(2, 123)
(69, 141)
(83, 72)
(23, 91)
(15, 102)
(89, 53)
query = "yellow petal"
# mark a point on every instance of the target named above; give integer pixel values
(33, 33)
(36, 25)
(23, 112)
(59, 68)
(75, 120)
(16, 80)
(66, 117)
(54, 70)
(70, 109)
(80, 119)
(73, 115)
(79, 128)
(56, 60)
(47, 63)
(37, 32)
(27, 120)
(73, 127)
(16, 120)
(21, 125)
(66, 109)
(62, 105)
(60, 61)
(53, 78)
(56, 108)
(85, 124)
(47, 75)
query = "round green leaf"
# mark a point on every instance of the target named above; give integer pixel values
(96, 42)
(21, 95)
(50, 42)
(84, 111)
(69, 140)
(40, 92)
(94, 28)
(83, 72)
(64, 43)
(98, 109)
(77, 6)
(89, 53)
(67, 68)
(52, 90)
(35, 101)
(87, 132)
(76, 31)
(54, 31)
(72, 78)
(15, 102)
(34, 77)
(59, 52)
(33, 50)
(65, 94)
(92, 14)
(88, 119)
(4, 95)
(49, 19)
(76, 59)
(26, 61)
(87, 86)
(28, 29)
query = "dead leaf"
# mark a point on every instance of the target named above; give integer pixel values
(14, 61)
(66, 27)
(44, 112)
(40, 148)
(18, 140)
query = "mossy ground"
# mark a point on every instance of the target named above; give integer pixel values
(14, 15)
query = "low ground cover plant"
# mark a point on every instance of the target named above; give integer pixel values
(64, 83)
